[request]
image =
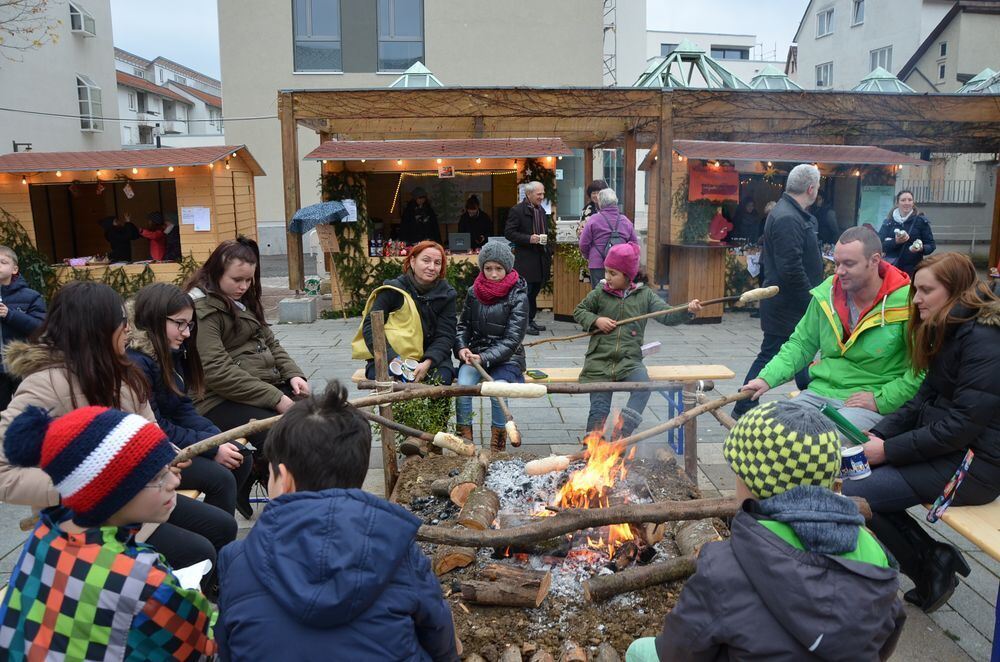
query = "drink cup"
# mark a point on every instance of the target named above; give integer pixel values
(853, 463)
(543, 239)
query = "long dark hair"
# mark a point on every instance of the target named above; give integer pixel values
(153, 305)
(914, 213)
(80, 327)
(958, 275)
(207, 277)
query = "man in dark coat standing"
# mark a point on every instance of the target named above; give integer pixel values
(527, 229)
(790, 259)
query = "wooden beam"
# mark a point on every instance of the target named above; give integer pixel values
(630, 166)
(664, 192)
(293, 198)
(995, 238)
(588, 168)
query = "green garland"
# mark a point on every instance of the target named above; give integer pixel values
(571, 255)
(33, 265)
(699, 218)
(351, 263)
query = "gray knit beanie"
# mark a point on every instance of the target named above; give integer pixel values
(496, 251)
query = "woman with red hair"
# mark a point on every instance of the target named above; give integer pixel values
(954, 335)
(422, 284)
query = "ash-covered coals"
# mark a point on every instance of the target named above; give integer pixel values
(433, 510)
(521, 494)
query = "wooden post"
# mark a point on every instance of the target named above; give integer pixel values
(689, 397)
(588, 169)
(293, 198)
(389, 468)
(664, 206)
(630, 175)
(995, 237)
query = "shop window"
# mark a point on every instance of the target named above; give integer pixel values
(400, 34)
(316, 26)
(91, 109)
(824, 23)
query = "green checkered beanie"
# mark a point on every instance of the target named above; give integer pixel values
(782, 444)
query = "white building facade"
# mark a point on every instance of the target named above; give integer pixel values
(72, 79)
(740, 54)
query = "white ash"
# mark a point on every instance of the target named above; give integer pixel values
(520, 493)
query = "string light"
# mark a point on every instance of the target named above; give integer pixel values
(135, 171)
(439, 161)
(479, 160)
(768, 164)
(211, 165)
(548, 159)
(560, 158)
(58, 173)
(324, 161)
(170, 169)
(364, 160)
(399, 162)
(227, 164)
(24, 180)
(234, 156)
(98, 173)
(857, 173)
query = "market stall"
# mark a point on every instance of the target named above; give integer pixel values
(66, 203)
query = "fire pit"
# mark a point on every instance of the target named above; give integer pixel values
(544, 590)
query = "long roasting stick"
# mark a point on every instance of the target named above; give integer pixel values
(746, 297)
(513, 434)
(561, 462)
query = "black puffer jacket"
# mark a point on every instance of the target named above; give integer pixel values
(792, 261)
(957, 407)
(495, 331)
(900, 255)
(438, 318)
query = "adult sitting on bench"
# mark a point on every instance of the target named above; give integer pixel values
(955, 336)
(857, 321)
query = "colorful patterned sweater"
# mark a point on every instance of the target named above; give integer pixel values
(99, 595)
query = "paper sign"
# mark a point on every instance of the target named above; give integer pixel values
(715, 184)
(199, 217)
(446, 171)
(559, 174)
(352, 210)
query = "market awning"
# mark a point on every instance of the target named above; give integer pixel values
(28, 162)
(786, 152)
(487, 148)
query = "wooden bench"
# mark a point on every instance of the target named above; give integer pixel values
(980, 524)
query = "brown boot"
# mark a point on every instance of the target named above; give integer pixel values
(465, 432)
(498, 439)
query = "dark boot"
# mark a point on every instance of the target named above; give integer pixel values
(243, 506)
(465, 432)
(941, 562)
(628, 421)
(498, 440)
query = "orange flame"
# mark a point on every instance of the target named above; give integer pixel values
(591, 486)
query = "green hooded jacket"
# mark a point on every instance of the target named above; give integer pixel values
(872, 358)
(613, 356)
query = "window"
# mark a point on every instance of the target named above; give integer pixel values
(824, 23)
(881, 57)
(91, 110)
(858, 15)
(941, 71)
(180, 79)
(141, 99)
(726, 53)
(132, 101)
(139, 72)
(400, 34)
(943, 49)
(667, 49)
(81, 22)
(126, 135)
(316, 24)
(824, 75)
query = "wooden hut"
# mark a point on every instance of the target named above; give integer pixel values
(65, 199)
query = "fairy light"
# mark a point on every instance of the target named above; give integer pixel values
(439, 161)
(560, 158)
(58, 173)
(324, 161)
(227, 164)
(24, 180)
(364, 160)
(234, 156)
(548, 159)
(479, 160)
(395, 196)
(98, 173)
(170, 169)
(399, 162)
(135, 171)
(211, 166)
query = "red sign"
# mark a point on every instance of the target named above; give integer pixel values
(713, 183)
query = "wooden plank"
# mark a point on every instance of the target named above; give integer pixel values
(664, 190)
(588, 168)
(995, 236)
(980, 524)
(657, 373)
(630, 173)
(290, 174)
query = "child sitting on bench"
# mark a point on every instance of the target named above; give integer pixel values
(329, 571)
(800, 578)
(615, 354)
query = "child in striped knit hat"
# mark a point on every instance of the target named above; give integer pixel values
(84, 589)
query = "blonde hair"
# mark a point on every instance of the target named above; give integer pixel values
(9, 252)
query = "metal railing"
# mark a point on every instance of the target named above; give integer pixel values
(929, 191)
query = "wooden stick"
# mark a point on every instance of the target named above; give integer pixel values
(722, 417)
(575, 519)
(441, 439)
(569, 388)
(750, 295)
(389, 468)
(560, 462)
(513, 434)
(598, 589)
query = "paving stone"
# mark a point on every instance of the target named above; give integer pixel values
(974, 644)
(720, 475)
(973, 608)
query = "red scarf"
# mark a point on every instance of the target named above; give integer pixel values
(491, 291)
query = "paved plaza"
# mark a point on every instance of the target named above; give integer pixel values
(961, 630)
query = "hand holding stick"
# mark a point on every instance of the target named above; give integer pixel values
(746, 297)
(513, 434)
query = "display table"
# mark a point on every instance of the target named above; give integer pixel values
(698, 271)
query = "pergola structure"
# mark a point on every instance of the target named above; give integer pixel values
(634, 119)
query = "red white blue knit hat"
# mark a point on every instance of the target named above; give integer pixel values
(98, 458)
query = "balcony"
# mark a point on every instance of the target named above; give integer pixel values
(147, 118)
(174, 126)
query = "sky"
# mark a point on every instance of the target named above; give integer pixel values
(187, 31)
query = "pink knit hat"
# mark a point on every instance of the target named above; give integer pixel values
(623, 258)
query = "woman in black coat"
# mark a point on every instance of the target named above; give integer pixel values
(490, 332)
(423, 279)
(906, 235)
(955, 336)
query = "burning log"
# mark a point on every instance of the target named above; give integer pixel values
(598, 589)
(572, 652)
(650, 533)
(624, 556)
(468, 479)
(447, 558)
(511, 654)
(692, 536)
(508, 586)
(575, 519)
(480, 509)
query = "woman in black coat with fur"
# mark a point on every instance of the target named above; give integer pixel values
(955, 336)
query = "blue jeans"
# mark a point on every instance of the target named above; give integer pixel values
(469, 376)
(596, 276)
(600, 403)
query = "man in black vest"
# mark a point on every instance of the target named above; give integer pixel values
(527, 229)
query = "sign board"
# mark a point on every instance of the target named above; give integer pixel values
(559, 174)
(446, 171)
(876, 203)
(713, 184)
(199, 217)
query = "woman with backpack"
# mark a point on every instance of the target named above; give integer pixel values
(607, 228)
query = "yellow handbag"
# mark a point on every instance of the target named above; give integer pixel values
(403, 330)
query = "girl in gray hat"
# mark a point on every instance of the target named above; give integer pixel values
(490, 332)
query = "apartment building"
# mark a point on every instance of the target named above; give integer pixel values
(741, 54)
(71, 79)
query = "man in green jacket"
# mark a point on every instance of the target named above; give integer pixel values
(857, 321)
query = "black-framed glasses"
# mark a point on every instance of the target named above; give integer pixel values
(182, 324)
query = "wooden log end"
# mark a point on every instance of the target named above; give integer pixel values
(447, 558)
(460, 493)
(441, 488)
(572, 652)
(480, 509)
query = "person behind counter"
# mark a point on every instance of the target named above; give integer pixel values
(419, 222)
(476, 222)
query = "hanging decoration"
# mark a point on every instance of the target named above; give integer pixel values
(127, 190)
(100, 188)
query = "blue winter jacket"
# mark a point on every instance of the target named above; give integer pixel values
(25, 311)
(175, 414)
(331, 575)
